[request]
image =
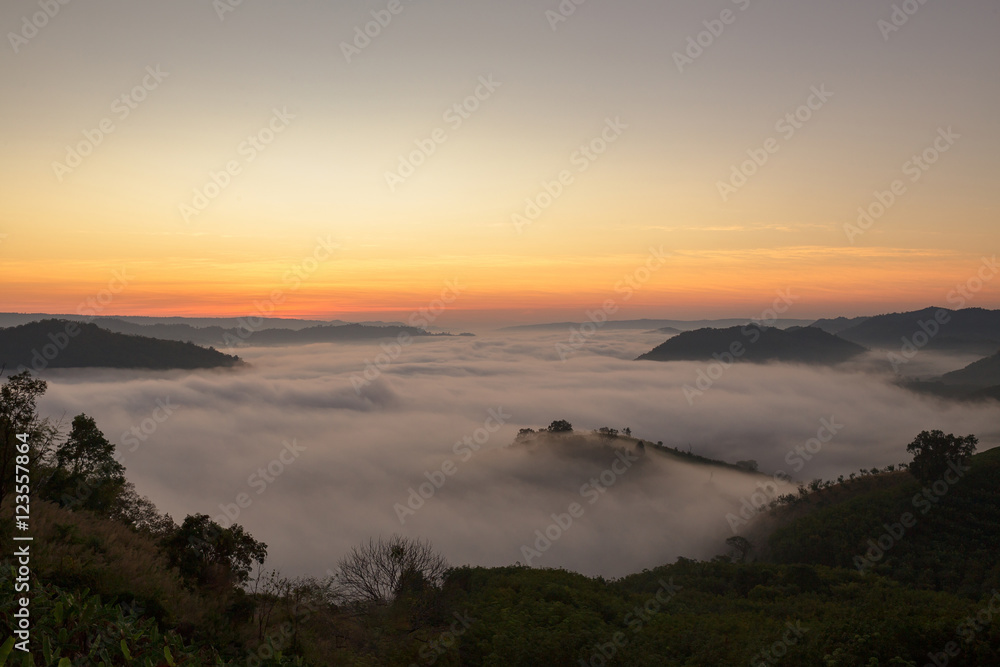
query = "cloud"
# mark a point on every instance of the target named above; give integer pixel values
(360, 453)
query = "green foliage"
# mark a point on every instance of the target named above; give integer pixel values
(110, 587)
(933, 452)
(953, 546)
(208, 554)
(18, 398)
(86, 474)
(80, 630)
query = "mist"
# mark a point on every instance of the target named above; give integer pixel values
(322, 456)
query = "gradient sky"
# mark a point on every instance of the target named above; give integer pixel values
(323, 176)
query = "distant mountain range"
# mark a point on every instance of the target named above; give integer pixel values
(756, 344)
(265, 332)
(651, 325)
(980, 374)
(978, 380)
(66, 344)
(838, 324)
(233, 337)
(970, 330)
(14, 319)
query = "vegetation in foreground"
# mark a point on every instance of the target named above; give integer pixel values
(116, 583)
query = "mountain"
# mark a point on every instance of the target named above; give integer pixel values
(756, 344)
(986, 394)
(596, 443)
(969, 330)
(65, 344)
(978, 375)
(325, 334)
(952, 546)
(646, 324)
(15, 319)
(235, 336)
(838, 324)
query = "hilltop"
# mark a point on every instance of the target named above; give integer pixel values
(756, 344)
(979, 380)
(968, 330)
(66, 344)
(954, 545)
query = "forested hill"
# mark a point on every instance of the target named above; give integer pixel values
(974, 330)
(65, 344)
(953, 544)
(756, 344)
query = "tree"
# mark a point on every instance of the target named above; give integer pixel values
(628, 432)
(208, 554)
(741, 548)
(18, 415)
(86, 472)
(140, 514)
(560, 426)
(87, 452)
(934, 452)
(376, 572)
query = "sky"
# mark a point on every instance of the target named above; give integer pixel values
(223, 159)
(340, 458)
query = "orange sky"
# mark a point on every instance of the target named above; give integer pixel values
(308, 140)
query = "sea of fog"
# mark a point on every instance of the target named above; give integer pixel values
(321, 463)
